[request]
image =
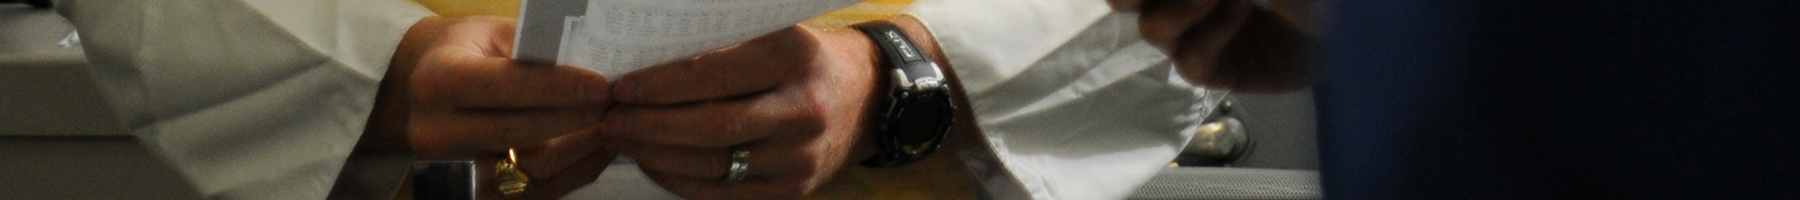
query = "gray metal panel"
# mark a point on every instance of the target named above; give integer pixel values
(86, 167)
(1282, 128)
(47, 89)
(59, 138)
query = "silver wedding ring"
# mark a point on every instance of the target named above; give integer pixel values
(740, 165)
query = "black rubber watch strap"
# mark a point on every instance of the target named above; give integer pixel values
(912, 62)
(918, 112)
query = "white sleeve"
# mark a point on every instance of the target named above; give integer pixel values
(249, 99)
(1073, 102)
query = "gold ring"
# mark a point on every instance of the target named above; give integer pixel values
(513, 180)
(740, 165)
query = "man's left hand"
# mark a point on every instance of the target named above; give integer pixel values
(796, 99)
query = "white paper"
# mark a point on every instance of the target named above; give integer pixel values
(615, 37)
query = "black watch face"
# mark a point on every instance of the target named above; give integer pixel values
(922, 121)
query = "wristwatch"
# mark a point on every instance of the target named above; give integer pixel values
(918, 111)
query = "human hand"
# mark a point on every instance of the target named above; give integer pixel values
(467, 96)
(796, 99)
(453, 92)
(1229, 44)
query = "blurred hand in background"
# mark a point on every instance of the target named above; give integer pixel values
(1228, 44)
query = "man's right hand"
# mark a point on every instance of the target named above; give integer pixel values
(452, 91)
(468, 96)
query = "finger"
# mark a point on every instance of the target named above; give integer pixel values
(562, 164)
(564, 151)
(460, 80)
(1128, 6)
(787, 187)
(1201, 46)
(579, 174)
(1266, 55)
(746, 68)
(465, 131)
(714, 163)
(714, 124)
(543, 186)
(501, 34)
(1163, 22)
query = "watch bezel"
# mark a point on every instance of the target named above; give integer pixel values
(917, 84)
(907, 103)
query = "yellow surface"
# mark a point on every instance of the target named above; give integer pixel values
(867, 10)
(462, 8)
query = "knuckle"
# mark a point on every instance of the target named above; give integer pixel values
(424, 85)
(731, 125)
(809, 115)
(807, 164)
(794, 45)
(439, 82)
(791, 114)
(808, 49)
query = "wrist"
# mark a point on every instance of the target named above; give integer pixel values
(963, 135)
(910, 115)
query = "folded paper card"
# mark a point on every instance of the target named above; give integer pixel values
(615, 37)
